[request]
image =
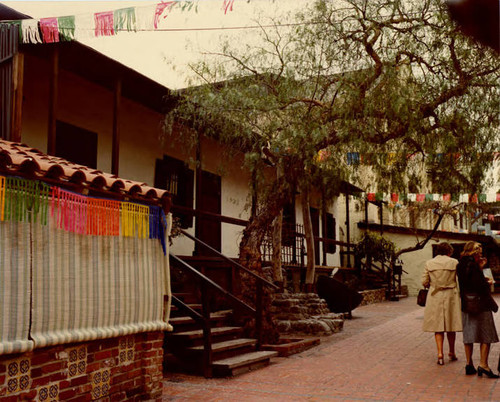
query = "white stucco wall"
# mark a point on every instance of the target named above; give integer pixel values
(90, 106)
(413, 263)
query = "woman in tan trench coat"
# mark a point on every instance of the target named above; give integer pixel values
(442, 308)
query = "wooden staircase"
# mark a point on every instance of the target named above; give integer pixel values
(231, 352)
(206, 339)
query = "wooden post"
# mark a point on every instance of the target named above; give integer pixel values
(381, 213)
(115, 153)
(323, 225)
(198, 249)
(18, 83)
(53, 92)
(348, 229)
(366, 212)
(207, 333)
(258, 313)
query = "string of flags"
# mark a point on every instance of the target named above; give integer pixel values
(395, 198)
(23, 200)
(107, 23)
(390, 158)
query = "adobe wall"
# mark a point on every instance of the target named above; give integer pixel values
(121, 369)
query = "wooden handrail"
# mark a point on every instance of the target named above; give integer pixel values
(208, 215)
(242, 222)
(183, 306)
(212, 283)
(232, 262)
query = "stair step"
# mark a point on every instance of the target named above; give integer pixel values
(227, 345)
(245, 360)
(198, 334)
(185, 320)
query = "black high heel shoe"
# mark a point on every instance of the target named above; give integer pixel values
(470, 370)
(488, 373)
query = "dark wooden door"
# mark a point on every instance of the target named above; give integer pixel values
(208, 200)
(315, 227)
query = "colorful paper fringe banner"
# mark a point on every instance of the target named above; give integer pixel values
(107, 23)
(28, 200)
(23, 200)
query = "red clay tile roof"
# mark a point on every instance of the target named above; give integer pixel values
(21, 160)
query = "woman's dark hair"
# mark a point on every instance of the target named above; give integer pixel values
(444, 249)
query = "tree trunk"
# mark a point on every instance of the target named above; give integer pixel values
(277, 228)
(308, 230)
(250, 257)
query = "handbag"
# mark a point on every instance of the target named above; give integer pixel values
(472, 303)
(422, 297)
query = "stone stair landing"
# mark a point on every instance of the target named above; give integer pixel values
(304, 314)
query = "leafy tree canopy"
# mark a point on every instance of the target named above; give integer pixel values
(357, 76)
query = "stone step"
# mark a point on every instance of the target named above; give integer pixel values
(239, 364)
(290, 346)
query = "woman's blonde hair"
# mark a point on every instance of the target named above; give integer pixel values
(471, 248)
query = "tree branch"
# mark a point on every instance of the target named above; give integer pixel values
(421, 244)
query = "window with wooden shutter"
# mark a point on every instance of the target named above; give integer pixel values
(76, 144)
(175, 176)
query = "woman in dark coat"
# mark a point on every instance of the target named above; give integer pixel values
(478, 327)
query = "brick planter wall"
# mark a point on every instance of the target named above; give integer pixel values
(115, 369)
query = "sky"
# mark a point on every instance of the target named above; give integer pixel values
(164, 55)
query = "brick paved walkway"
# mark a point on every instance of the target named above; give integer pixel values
(382, 354)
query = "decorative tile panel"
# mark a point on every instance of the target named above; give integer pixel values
(77, 361)
(18, 377)
(127, 349)
(100, 381)
(48, 393)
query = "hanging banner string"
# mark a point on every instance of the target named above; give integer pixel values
(391, 158)
(107, 23)
(427, 197)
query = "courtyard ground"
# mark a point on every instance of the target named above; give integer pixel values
(381, 354)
